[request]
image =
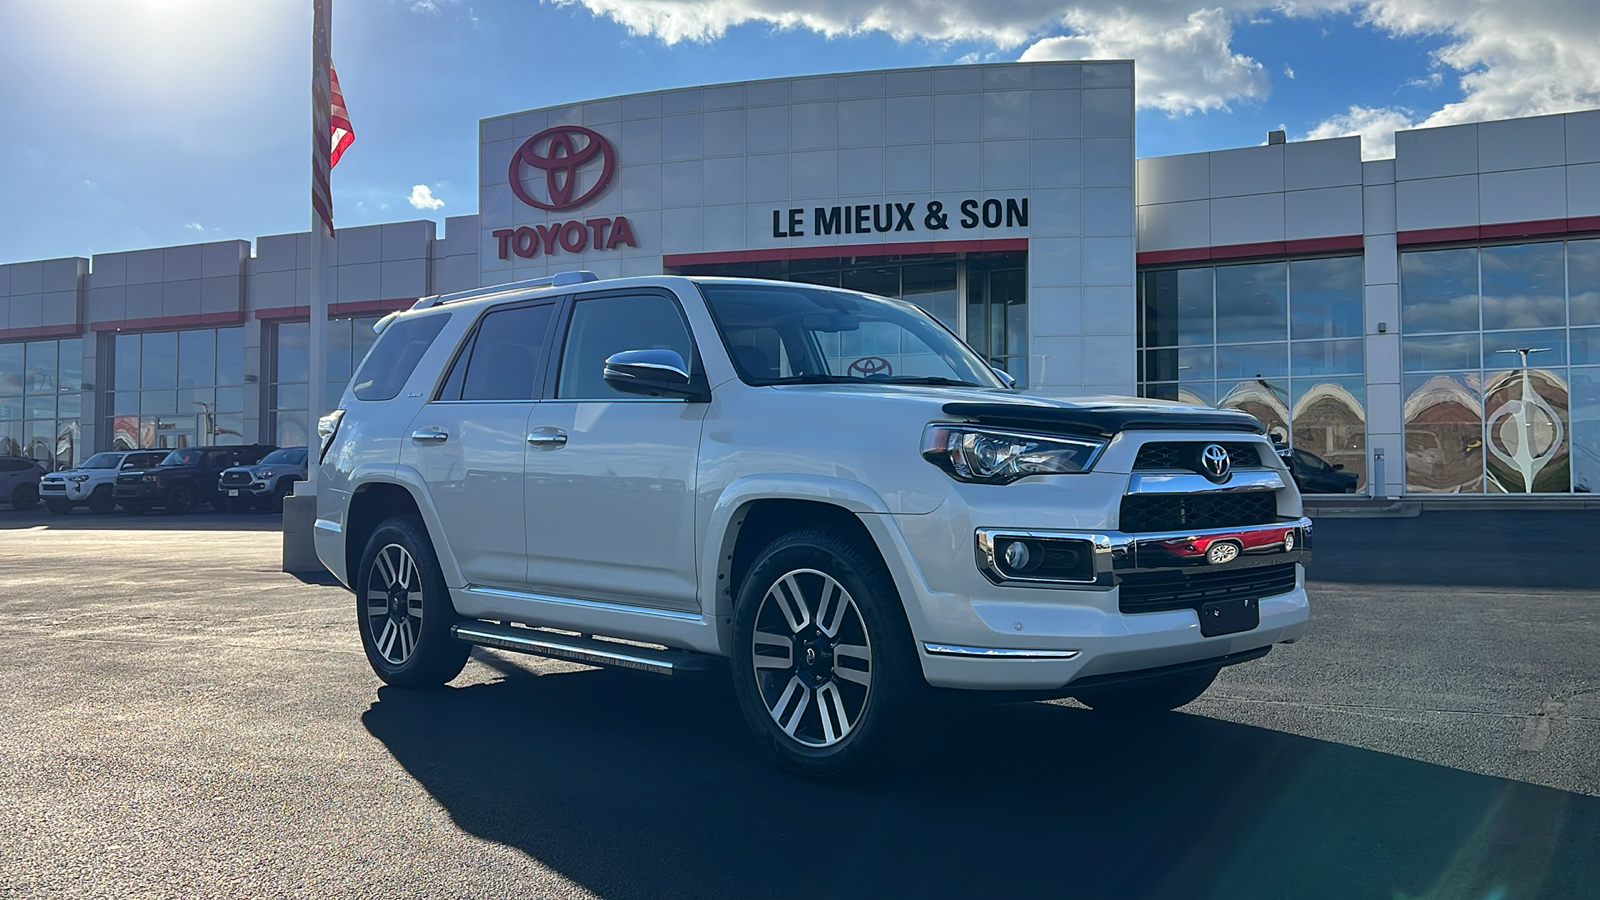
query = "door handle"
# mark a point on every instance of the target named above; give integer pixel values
(430, 436)
(547, 438)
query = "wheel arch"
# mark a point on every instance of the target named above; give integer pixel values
(754, 513)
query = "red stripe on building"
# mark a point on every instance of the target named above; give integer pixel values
(827, 251)
(337, 310)
(1499, 230)
(40, 331)
(1247, 251)
(172, 323)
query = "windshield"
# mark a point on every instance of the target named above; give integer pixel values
(800, 334)
(102, 461)
(188, 457)
(288, 456)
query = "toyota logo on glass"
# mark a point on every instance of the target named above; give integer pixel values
(565, 167)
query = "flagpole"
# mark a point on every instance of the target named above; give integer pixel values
(321, 226)
(300, 509)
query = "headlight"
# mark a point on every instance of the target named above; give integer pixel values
(150, 478)
(327, 427)
(77, 479)
(991, 456)
(266, 474)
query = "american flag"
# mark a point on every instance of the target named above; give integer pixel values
(331, 131)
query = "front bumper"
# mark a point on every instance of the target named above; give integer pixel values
(252, 491)
(147, 492)
(63, 490)
(1134, 607)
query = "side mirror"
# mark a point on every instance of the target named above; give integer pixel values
(1338, 467)
(653, 373)
(1003, 375)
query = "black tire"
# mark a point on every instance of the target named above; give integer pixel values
(421, 652)
(58, 507)
(179, 499)
(220, 501)
(1146, 697)
(25, 496)
(101, 503)
(879, 681)
(284, 489)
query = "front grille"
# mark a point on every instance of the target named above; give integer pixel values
(57, 486)
(235, 479)
(1186, 455)
(1183, 589)
(1143, 513)
(129, 479)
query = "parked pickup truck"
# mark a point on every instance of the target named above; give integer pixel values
(822, 492)
(264, 484)
(184, 477)
(92, 483)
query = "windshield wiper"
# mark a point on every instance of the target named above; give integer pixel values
(814, 378)
(927, 379)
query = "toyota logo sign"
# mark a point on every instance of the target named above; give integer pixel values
(558, 158)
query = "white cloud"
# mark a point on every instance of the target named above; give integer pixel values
(194, 226)
(1376, 127)
(1288, 71)
(1183, 66)
(422, 198)
(1510, 59)
(425, 6)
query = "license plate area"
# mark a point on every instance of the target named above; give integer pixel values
(233, 493)
(1229, 616)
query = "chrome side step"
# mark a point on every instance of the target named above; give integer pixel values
(588, 651)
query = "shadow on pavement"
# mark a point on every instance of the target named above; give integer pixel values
(1477, 548)
(642, 788)
(83, 520)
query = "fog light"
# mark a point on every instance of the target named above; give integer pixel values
(1017, 556)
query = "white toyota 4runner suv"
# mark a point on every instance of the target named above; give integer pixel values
(825, 490)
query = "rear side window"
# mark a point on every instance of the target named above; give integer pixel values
(392, 360)
(505, 357)
(602, 326)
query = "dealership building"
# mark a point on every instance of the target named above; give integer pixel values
(1429, 323)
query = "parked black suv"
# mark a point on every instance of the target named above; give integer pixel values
(187, 476)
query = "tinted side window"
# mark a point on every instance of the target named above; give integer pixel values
(602, 326)
(392, 360)
(12, 465)
(506, 357)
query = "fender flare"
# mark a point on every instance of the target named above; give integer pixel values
(722, 532)
(411, 480)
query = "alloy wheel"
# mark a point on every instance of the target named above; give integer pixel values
(394, 604)
(812, 658)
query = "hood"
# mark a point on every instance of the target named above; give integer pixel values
(1098, 416)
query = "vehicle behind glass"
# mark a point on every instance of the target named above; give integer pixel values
(265, 484)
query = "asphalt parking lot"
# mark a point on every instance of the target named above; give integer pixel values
(180, 719)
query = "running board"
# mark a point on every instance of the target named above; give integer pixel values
(588, 651)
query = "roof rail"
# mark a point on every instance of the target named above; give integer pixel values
(559, 279)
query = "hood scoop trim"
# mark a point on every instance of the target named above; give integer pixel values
(1104, 420)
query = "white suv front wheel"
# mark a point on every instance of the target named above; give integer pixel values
(404, 608)
(824, 667)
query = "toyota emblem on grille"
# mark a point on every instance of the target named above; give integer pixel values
(1214, 463)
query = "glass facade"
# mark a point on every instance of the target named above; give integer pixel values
(1280, 340)
(289, 382)
(176, 388)
(1500, 351)
(993, 318)
(41, 401)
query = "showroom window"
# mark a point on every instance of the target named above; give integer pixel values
(1500, 359)
(177, 388)
(1280, 340)
(40, 401)
(993, 319)
(289, 384)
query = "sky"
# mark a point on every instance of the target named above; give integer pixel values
(127, 124)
